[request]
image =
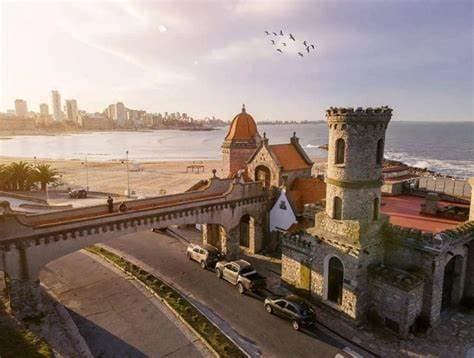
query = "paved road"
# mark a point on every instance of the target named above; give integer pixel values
(270, 335)
(116, 316)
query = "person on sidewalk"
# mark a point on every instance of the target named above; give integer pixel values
(110, 204)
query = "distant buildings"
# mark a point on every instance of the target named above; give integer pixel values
(21, 108)
(56, 106)
(71, 110)
(120, 112)
(44, 110)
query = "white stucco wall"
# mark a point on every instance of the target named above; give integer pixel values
(281, 218)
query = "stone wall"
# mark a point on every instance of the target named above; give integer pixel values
(316, 252)
(396, 298)
(235, 157)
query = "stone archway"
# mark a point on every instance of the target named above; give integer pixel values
(246, 231)
(263, 175)
(452, 289)
(334, 280)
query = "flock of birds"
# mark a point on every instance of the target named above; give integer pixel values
(279, 38)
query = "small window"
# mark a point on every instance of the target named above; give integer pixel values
(280, 304)
(376, 208)
(337, 208)
(196, 249)
(380, 151)
(291, 308)
(283, 205)
(340, 151)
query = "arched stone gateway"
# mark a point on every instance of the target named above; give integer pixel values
(334, 280)
(452, 282)
(29, 242)
(245, 230)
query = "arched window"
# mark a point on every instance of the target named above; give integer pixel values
(340, 149)
(335, 280)
(380, 151)
(376, 209)
(337, 208)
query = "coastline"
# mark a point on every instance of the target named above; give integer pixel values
(149, 178)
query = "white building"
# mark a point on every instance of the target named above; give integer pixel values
(58, 114)
(21, 108)
(44, 110)
(71, 110)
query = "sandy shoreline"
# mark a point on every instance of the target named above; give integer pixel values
(151, 179)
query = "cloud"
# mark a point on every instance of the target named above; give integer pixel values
(266, 7)
(252, 48)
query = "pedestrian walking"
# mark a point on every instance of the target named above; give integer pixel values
(110, 204)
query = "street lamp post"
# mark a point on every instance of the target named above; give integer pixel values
(87, 173)
(128, 176)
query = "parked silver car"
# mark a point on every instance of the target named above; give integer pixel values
(206, 255)
(240, 273)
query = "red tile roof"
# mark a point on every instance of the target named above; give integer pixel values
(289, 157)
(243, 127)
(405, 211)
(306, 191)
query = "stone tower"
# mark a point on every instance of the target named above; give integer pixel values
(350, 227)
(240, 143)
(355, 160)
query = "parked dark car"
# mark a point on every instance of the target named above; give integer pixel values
(293, 308)
(78, 194)
(241, 274)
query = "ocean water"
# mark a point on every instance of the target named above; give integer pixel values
(447, 148)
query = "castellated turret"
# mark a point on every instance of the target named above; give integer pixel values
(355, 160)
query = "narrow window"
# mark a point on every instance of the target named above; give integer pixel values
(380, 151)
(376, 208)
(340, 148)
(337, 208)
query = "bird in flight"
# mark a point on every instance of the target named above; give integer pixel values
(283, 43)
(307, 49)
(279, 50)
(299, 53)
(281, 32)
(304, 43)
(273, 42)
(292, 37)
(312, 46)
(267, 33)
(275, 33)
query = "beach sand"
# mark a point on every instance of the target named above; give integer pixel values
(153, 178)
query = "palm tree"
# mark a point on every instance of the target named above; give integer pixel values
(5, 178)
(44, 174)
(21, 175)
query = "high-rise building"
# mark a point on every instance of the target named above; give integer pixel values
(44, 110)
(56, 106)
(21, 108)
(120, 112)
(71, 110)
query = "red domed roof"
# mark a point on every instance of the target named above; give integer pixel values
(243, 127)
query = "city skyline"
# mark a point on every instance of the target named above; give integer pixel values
(412, 56)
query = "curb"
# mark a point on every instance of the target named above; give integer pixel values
(197, 334)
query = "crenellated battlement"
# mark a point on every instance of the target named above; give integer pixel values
(343, 114)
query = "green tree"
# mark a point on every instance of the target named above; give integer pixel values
(21, 174)
(45, 174)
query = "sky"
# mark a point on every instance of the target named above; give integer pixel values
(208, 57)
